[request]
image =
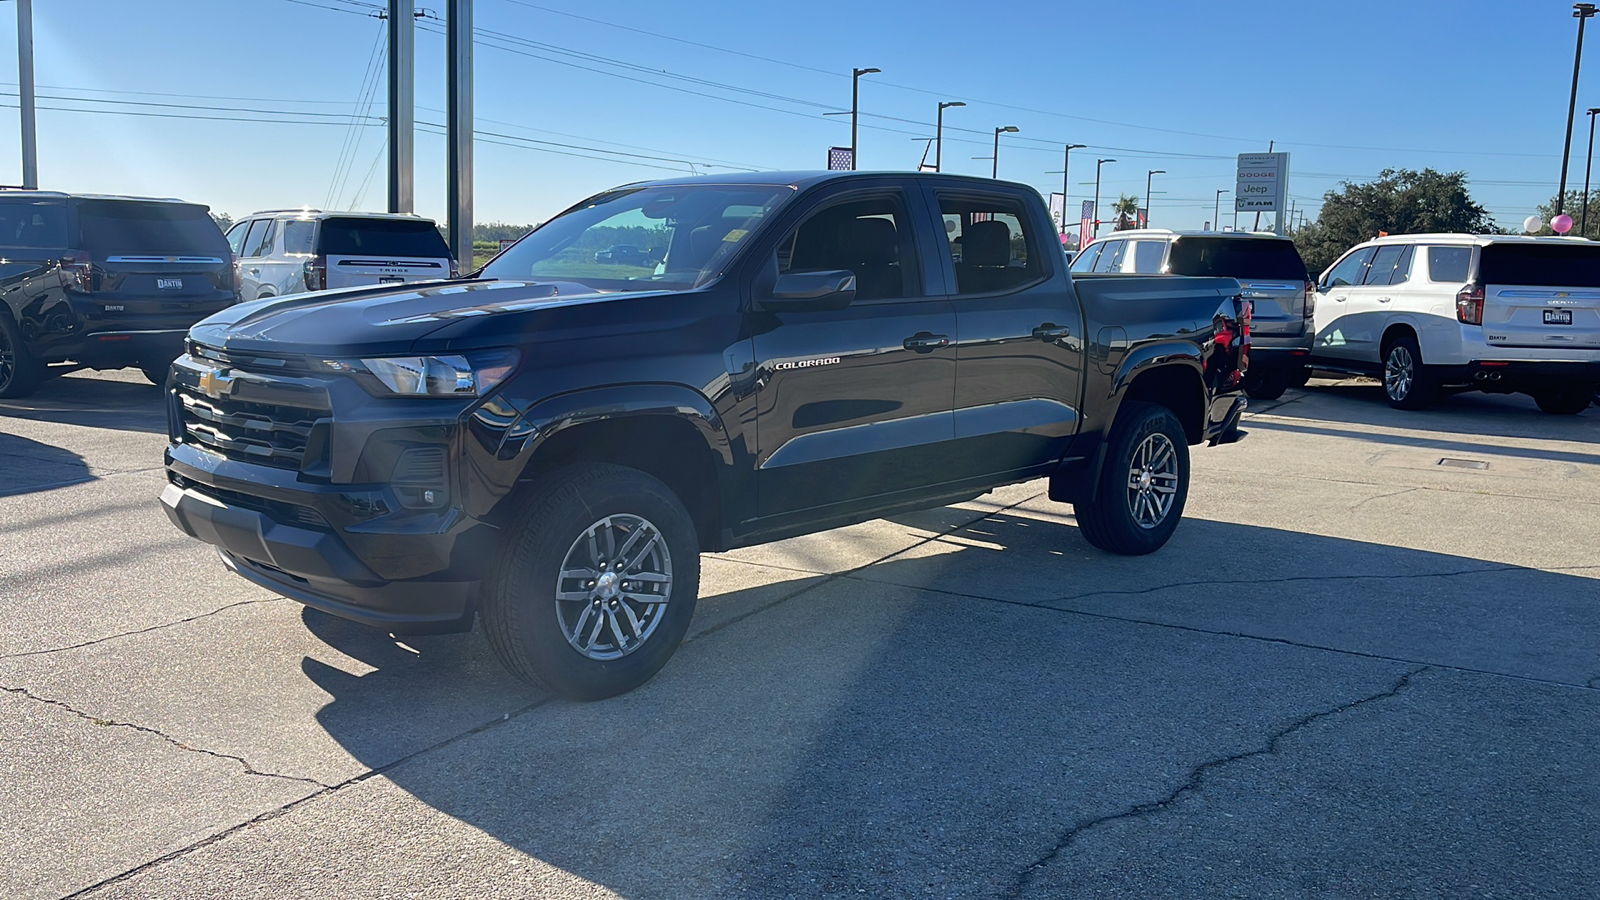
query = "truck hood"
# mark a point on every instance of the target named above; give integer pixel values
(390, 319)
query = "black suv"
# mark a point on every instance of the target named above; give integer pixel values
(104, 282)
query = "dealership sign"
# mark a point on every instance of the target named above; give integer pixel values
(1263, 183)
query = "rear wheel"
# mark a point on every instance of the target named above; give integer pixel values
(1563, 403)
(1406, 381)
(1268, 384)
(1300, 377)
(19, 373)
(597, 583)
(1143, 485)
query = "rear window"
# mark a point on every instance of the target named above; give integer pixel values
(33, 223)
(1551, 265)
(1236, 258)
(381, 237)
(112, 227)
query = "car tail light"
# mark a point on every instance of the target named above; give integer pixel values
(1469, 304)
(77, 273)
(1311, 298)
(316, 273)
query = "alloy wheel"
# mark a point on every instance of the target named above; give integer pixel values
(1399, 372)
(613, 587)
(1152, 481)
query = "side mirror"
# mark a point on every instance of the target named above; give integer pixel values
(833, 289)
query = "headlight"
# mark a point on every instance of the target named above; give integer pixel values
(468, 375)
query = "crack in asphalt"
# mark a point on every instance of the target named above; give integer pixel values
(1362, 503)
(1196, 778)
(112, 637)
(18, 490)
(112, 723)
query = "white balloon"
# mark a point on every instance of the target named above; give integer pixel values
(1532, 224)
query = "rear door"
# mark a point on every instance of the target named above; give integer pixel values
(1542, 294)
(156, 265)
(362, 251)
(1270, 273)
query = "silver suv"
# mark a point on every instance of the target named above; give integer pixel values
(1269, 270)
(288, 251)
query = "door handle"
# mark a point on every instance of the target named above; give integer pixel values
(255, 271)
(1050, 331)
(1339, 299)
(1383, 299)
(927, 342)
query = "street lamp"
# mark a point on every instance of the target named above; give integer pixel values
(1216, 210)
(1147, 176)
(1097, 164)
(855, 104)
(1582, 12)
(1583, 229)
(938, 134)
(1066, 161)
(1009, 129)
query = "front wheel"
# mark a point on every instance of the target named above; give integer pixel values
(1563, 403)
(597, 583)
(1406, 381)
(1143, 485)
(19, 373)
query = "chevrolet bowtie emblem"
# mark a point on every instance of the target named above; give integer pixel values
(216, 384)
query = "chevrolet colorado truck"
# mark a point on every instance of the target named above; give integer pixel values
(550, 443)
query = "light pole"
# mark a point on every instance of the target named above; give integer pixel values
(855, 104)
(1581, 12)
(1097, 164)
(1583, 229)
(1066, 163)
(1009, 129)
(1216, 210)
(30, 141)
(938, 134)
(1147, 176)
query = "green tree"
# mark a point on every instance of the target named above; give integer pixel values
(223, 220)
(1574, 208)
(1127, 211)
(1399, 201)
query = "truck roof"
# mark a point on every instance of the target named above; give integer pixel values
(64, 195)
(1477, 239)
(1172, 233)
(806, 179)
(308, 213)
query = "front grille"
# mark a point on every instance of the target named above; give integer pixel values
(278, 510)
(251, 432)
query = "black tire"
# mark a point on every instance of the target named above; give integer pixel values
(19, 372)
(156, 374)
(1112, 521)
(526, 624)
(1406, 381)
(1267, 384)
(1563, 403)
(1300, 377)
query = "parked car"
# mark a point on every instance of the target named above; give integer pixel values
(553, 449)
(1496, 313)
(290, 251)
(103, 282)
(622, 255)
(1270, 272)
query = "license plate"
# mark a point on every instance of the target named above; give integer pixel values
(169, 284)
(1558, 317)
(391, 279)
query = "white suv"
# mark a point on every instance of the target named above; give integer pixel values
(1498, 313)
(289, 251)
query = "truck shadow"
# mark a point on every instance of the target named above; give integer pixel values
(92, 400)
(931, 724)
(27, 466)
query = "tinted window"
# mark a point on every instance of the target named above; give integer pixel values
(297, 235)
(32, 223)
(1147, 256)
(1382, 267)
(382, 237)
(1553, 265)
(1449, 264)
(869, 237)
(1349, 270)
(236, 237)
(1402, 269)
(1236, 258)
(111, 227)
(1110, 257)
(1084, 261)
(991, 243)
(252, 238)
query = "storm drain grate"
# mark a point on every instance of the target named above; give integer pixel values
(1463, 463)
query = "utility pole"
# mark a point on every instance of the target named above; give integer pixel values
(1216, 210)
(1066, 163)
(30, 134)
(459, 129)
(1147, 176)
(855, 104)
(1582, 12)
(1583, 228)
(402, 106)
(1097, 164)
(1008, 129)
(938, 134)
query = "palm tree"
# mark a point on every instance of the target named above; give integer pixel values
(1127, 210)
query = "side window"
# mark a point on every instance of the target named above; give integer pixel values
(1349, 270)
(869, 237)
(1449, 264)
(255, 238)
(1111, 257)
(236, 237)
(1402, 269)
(1084, 261)
(298, 235)
(1383, 265)
(1147, 257)
(992, 244)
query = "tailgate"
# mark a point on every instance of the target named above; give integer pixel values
(1541, 295)
(153, 292)
(356, 271)
(1279, 307)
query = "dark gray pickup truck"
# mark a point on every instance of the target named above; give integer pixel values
(551, 443)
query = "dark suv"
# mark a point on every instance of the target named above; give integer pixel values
(104, 282)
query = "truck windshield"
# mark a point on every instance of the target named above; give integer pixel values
(1221, 257)
(664, 237)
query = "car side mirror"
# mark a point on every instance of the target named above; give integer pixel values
(833, 289)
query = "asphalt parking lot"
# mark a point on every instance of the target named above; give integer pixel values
(1354, 672)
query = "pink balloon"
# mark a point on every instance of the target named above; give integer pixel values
(1561, 224)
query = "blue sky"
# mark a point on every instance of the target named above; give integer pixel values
(1347, 88)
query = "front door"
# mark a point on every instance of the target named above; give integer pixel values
(1337, 332)
(854, 405)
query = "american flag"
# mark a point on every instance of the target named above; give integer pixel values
(840, 159)
(983, 217)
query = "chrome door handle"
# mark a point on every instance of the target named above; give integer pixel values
(927, 342)
(1050, 331)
